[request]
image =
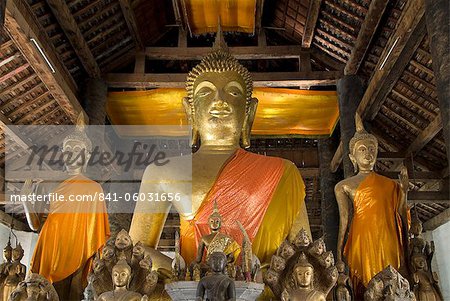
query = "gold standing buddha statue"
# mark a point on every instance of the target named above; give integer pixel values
(377, 234)
(73, 232)
(266, 194)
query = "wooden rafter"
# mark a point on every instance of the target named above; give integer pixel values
(311, 21)
(21, 25)
(260, 79)
(365, 35)
(396, 55)
(130, 18)
(70, 27)
(425, 136)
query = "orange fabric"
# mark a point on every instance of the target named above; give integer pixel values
(375, 236)
(243, 192)
(72, 233)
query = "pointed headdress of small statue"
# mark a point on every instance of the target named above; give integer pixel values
(79, 133)
(19, 248)
(215, 212)
(8, 246)
(360, 134)
(218, 60)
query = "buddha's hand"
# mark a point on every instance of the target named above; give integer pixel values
(404, 179)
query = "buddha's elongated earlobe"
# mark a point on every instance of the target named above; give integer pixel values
(248, 122)
(189, 110)
(353, 160)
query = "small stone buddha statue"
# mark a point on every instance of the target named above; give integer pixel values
(380, 214)
(303, 279)
(7, 259)
(217, 241)
(15, 272)
(425, 283)
(121, 276)
(217, 286)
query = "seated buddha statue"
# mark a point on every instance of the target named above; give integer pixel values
(380, 214)
(73, 232)
(266, 194)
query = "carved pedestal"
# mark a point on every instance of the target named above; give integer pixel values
(185, 290)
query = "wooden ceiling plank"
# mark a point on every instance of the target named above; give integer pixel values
(22, 26)
(413, 103)
(311, 21)
(425, 136)
(98, 14)
(14, 72)
(260, 79)
(86, 8)
(130, 19)
(365, 35)
(422, 68)
(396, 56)
(30, 103)
(332, 18)
(325, 59)
(333, 38)
(332, 27)
(343, 10)
(9, 59)
(340, 51)
(114, 26)
(17, 84)
(25, 93)
(70, 27)
(105, 23)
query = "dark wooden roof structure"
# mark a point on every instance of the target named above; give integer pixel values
(137, 44)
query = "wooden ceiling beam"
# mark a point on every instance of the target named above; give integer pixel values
(365, 35)
(130, 19)
(22, 26)
(417, 197)
(243, 52)
(260, 79)
(425, 136)
(258, 18)
(311, 21)
(70, 27)
(398, 52)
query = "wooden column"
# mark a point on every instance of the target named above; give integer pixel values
(350, 92)
(330, 210)
(437, 21)
(95, 101)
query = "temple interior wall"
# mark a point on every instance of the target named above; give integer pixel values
(441, 259)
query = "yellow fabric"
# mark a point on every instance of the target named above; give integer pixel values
(72, 233)
(280, 111)
(234, 15)
(375, 236)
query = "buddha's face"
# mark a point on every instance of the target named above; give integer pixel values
(76, 155)
(364, 154)
(278, 263)
(318, 247)
(123, 240)
(304, 276)
(108, 252)
(217, 261)
(17, 254)
(416, 228)
(220, 105)
(286, 250)
(327, 259)
(121, 275)
(215, 222)
(138, 250)
(419, 262)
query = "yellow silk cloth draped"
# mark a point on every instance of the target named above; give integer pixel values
(280, 111)
(265, 194)
(235, 15)
(72, 233)
(375, 236)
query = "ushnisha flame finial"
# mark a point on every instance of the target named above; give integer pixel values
(360, 134)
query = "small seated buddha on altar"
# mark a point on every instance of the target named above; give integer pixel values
(266, 194)
(377, 235)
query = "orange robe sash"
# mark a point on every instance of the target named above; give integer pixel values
(243, 191)
(73, 231)
(375, 236)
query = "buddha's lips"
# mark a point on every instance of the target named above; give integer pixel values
(220, 113)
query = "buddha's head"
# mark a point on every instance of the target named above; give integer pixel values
(77, 148)
(108, 252)
(302, 239)
(217, 261)
(138, 250)
(363, 148)
(7, 252)
(303, 273)
(416, 225)
(123, 240)
(219, 105)
(286, 250)
(326, 259)
(121, 274)
(318, 247)
(215, 219)
(419, 262)
(17, 253)
(146, 263)
(278, 263)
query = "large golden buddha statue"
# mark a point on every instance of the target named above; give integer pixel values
(377, 234)
(266, 194)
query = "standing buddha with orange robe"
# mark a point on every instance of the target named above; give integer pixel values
(376, 236)
(74, 231)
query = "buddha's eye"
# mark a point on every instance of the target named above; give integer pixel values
(235, 92)
(205, 91)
